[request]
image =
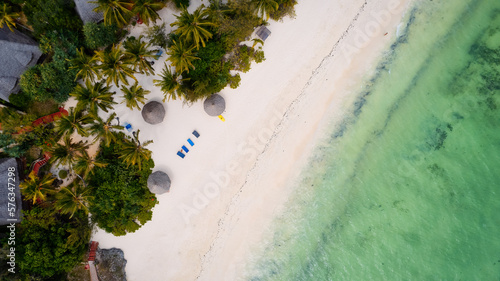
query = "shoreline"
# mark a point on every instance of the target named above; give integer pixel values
(243, 171)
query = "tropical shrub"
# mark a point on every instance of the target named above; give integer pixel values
(157, 35)
(122, 202)
(99, 35)
(244, 57)
(50, 15)
(49, 244)
(54, 79)
(210, 75)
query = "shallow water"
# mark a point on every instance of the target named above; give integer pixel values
(408, 187)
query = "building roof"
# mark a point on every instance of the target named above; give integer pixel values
(9, 193)
(263, 32)
(18, 52)
(86, 11)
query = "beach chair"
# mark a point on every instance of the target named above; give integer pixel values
(222, 118)
(191, 142)
(181, 155)
(195, 133)
(127, 126)
(185, 148)
(158, 54)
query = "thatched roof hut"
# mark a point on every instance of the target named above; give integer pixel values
(86, 11)
(153, 112)
(18, 52)
(9, 192)
(214, 105)
(159, 182)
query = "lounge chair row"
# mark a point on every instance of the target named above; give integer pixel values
(184, 148)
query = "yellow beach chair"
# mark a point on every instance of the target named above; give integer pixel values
(222, 118)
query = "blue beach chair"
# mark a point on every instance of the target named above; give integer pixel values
(127, 126)
(195, 133)
(158, 54)
(181, 155)
(191, 142)
(185, 148)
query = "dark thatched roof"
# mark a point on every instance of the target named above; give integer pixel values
(263, 32)
(86, 11)
(18, 52)
(9, 216)
(214, 105)
(153, 112)
(159, 182)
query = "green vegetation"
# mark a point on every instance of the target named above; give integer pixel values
(134, 95)
(49, 245)
(8, 16)
(205, 50)
(46, 16)
(133, 152)
(138, 53)
(93, 97)
(169, 83)
(156, 35)
(146, 10)
(286, 8)
(103, 130)
(115, 12)
(120, 203)
(193, 27)
(99, 35)
(115, 65)
(63, 174)
(75, 121)
(67, 152)
(37, 189)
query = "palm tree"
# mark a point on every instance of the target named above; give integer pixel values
(85, 165)
(263, 8)
(115, 65)
(192, 27)
(75, 121)
(8, 17)
(72, 198)
(103, 130)
(68, 152)
(181, 56)
(93, 96)
(115, 11)
(133, 152)
(137, 52)
(146, 9)
(35, 188)
(134, 95)
(169, 83)
(85, 65)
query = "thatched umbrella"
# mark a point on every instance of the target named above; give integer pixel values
(214, 105)
(153, 112)
(159, 182)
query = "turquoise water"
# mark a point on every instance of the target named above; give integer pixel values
(408, 187)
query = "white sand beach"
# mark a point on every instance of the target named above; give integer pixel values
(240, 172)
